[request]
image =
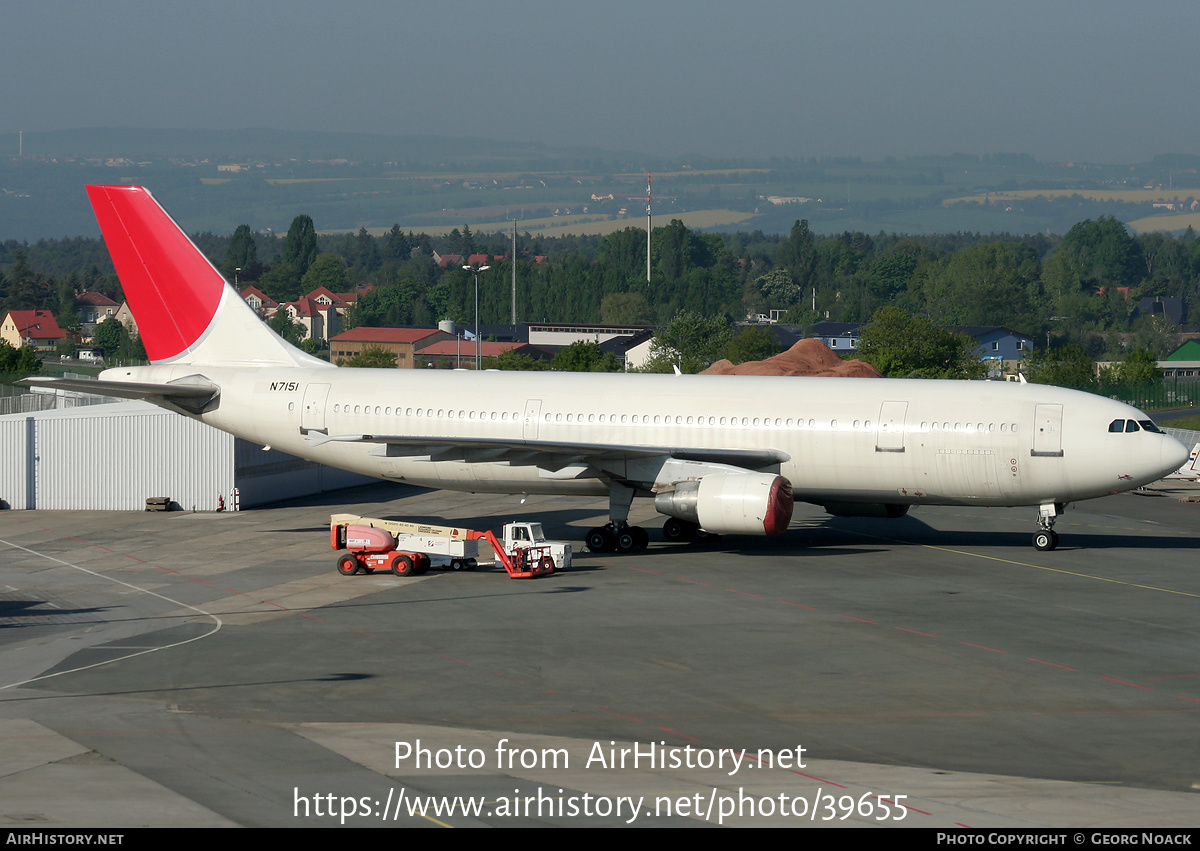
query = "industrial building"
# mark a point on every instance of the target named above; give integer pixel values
(116, 456)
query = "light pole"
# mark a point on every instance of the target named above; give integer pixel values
(476, 272)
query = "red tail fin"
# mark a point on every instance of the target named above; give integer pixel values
(171, 287)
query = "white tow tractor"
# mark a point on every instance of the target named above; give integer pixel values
(406, 548)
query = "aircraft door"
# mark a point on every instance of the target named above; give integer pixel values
(312, 416)
(533, 412)
(890, 435)
(1047, 431)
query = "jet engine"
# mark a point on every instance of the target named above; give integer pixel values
(731, 503)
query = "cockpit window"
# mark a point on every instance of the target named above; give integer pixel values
(1147, 425)
(1116, 427)
(1130, 425)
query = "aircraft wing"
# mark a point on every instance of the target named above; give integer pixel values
(550, 455)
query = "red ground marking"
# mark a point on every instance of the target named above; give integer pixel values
(205, 581)
(820, 779)
(1051, 664)
(744, 593)
(799, 606)
(1125, 682)
(618, 714)
(641, 570)
(981, 647)
(1185, 697)
(853, 618)
(917, 631)
(692, 581)
(679, 734)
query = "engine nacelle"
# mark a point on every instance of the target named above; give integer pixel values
(866, 509)
(731, 503)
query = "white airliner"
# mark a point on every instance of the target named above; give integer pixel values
(718, 454)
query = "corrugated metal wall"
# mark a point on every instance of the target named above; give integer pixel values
(16, 462)
(113, 457)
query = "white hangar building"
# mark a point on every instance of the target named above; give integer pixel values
(114, 457)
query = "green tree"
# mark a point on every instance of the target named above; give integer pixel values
(281, 281)
(582, 356)
(690, 342)
(371, 357)
(516, 361)
(300, 248)
(22, 361)
(328, 271)
(1065, 366)
(290, 329)
(798, 255)
(109, 336)
(751, 343)
(624, 309)
(777, 288)
(242, 254)
(986, 284)
(900, 346)
(1139, 365)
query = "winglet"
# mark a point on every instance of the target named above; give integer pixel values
(171, 287)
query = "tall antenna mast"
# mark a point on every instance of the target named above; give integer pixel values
(649, 227)
(514, 273)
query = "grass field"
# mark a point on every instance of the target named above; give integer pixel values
(1183, 221)
(1130, 196)
(1190, 423)
(575, 225)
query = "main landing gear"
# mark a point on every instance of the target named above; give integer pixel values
(1045, 538)
(617, 535)
(678, 531)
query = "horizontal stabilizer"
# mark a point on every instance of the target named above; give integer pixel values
(192, 395)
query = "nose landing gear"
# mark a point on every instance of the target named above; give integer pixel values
(1045, 538)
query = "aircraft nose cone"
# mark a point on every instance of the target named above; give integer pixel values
(1174, 454)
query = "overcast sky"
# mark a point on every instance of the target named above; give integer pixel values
(1099, 80)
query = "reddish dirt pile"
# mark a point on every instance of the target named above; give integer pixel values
(807, 357)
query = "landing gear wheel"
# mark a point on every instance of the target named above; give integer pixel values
(706, 537)
(1045, 539)
(643, 539)
(347, 565)
(402, 566)
(677, 531)
(626, 540)
(600, 540)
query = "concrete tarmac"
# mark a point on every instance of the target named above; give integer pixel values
(932, 671)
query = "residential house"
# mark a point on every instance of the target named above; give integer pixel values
(37, 328)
